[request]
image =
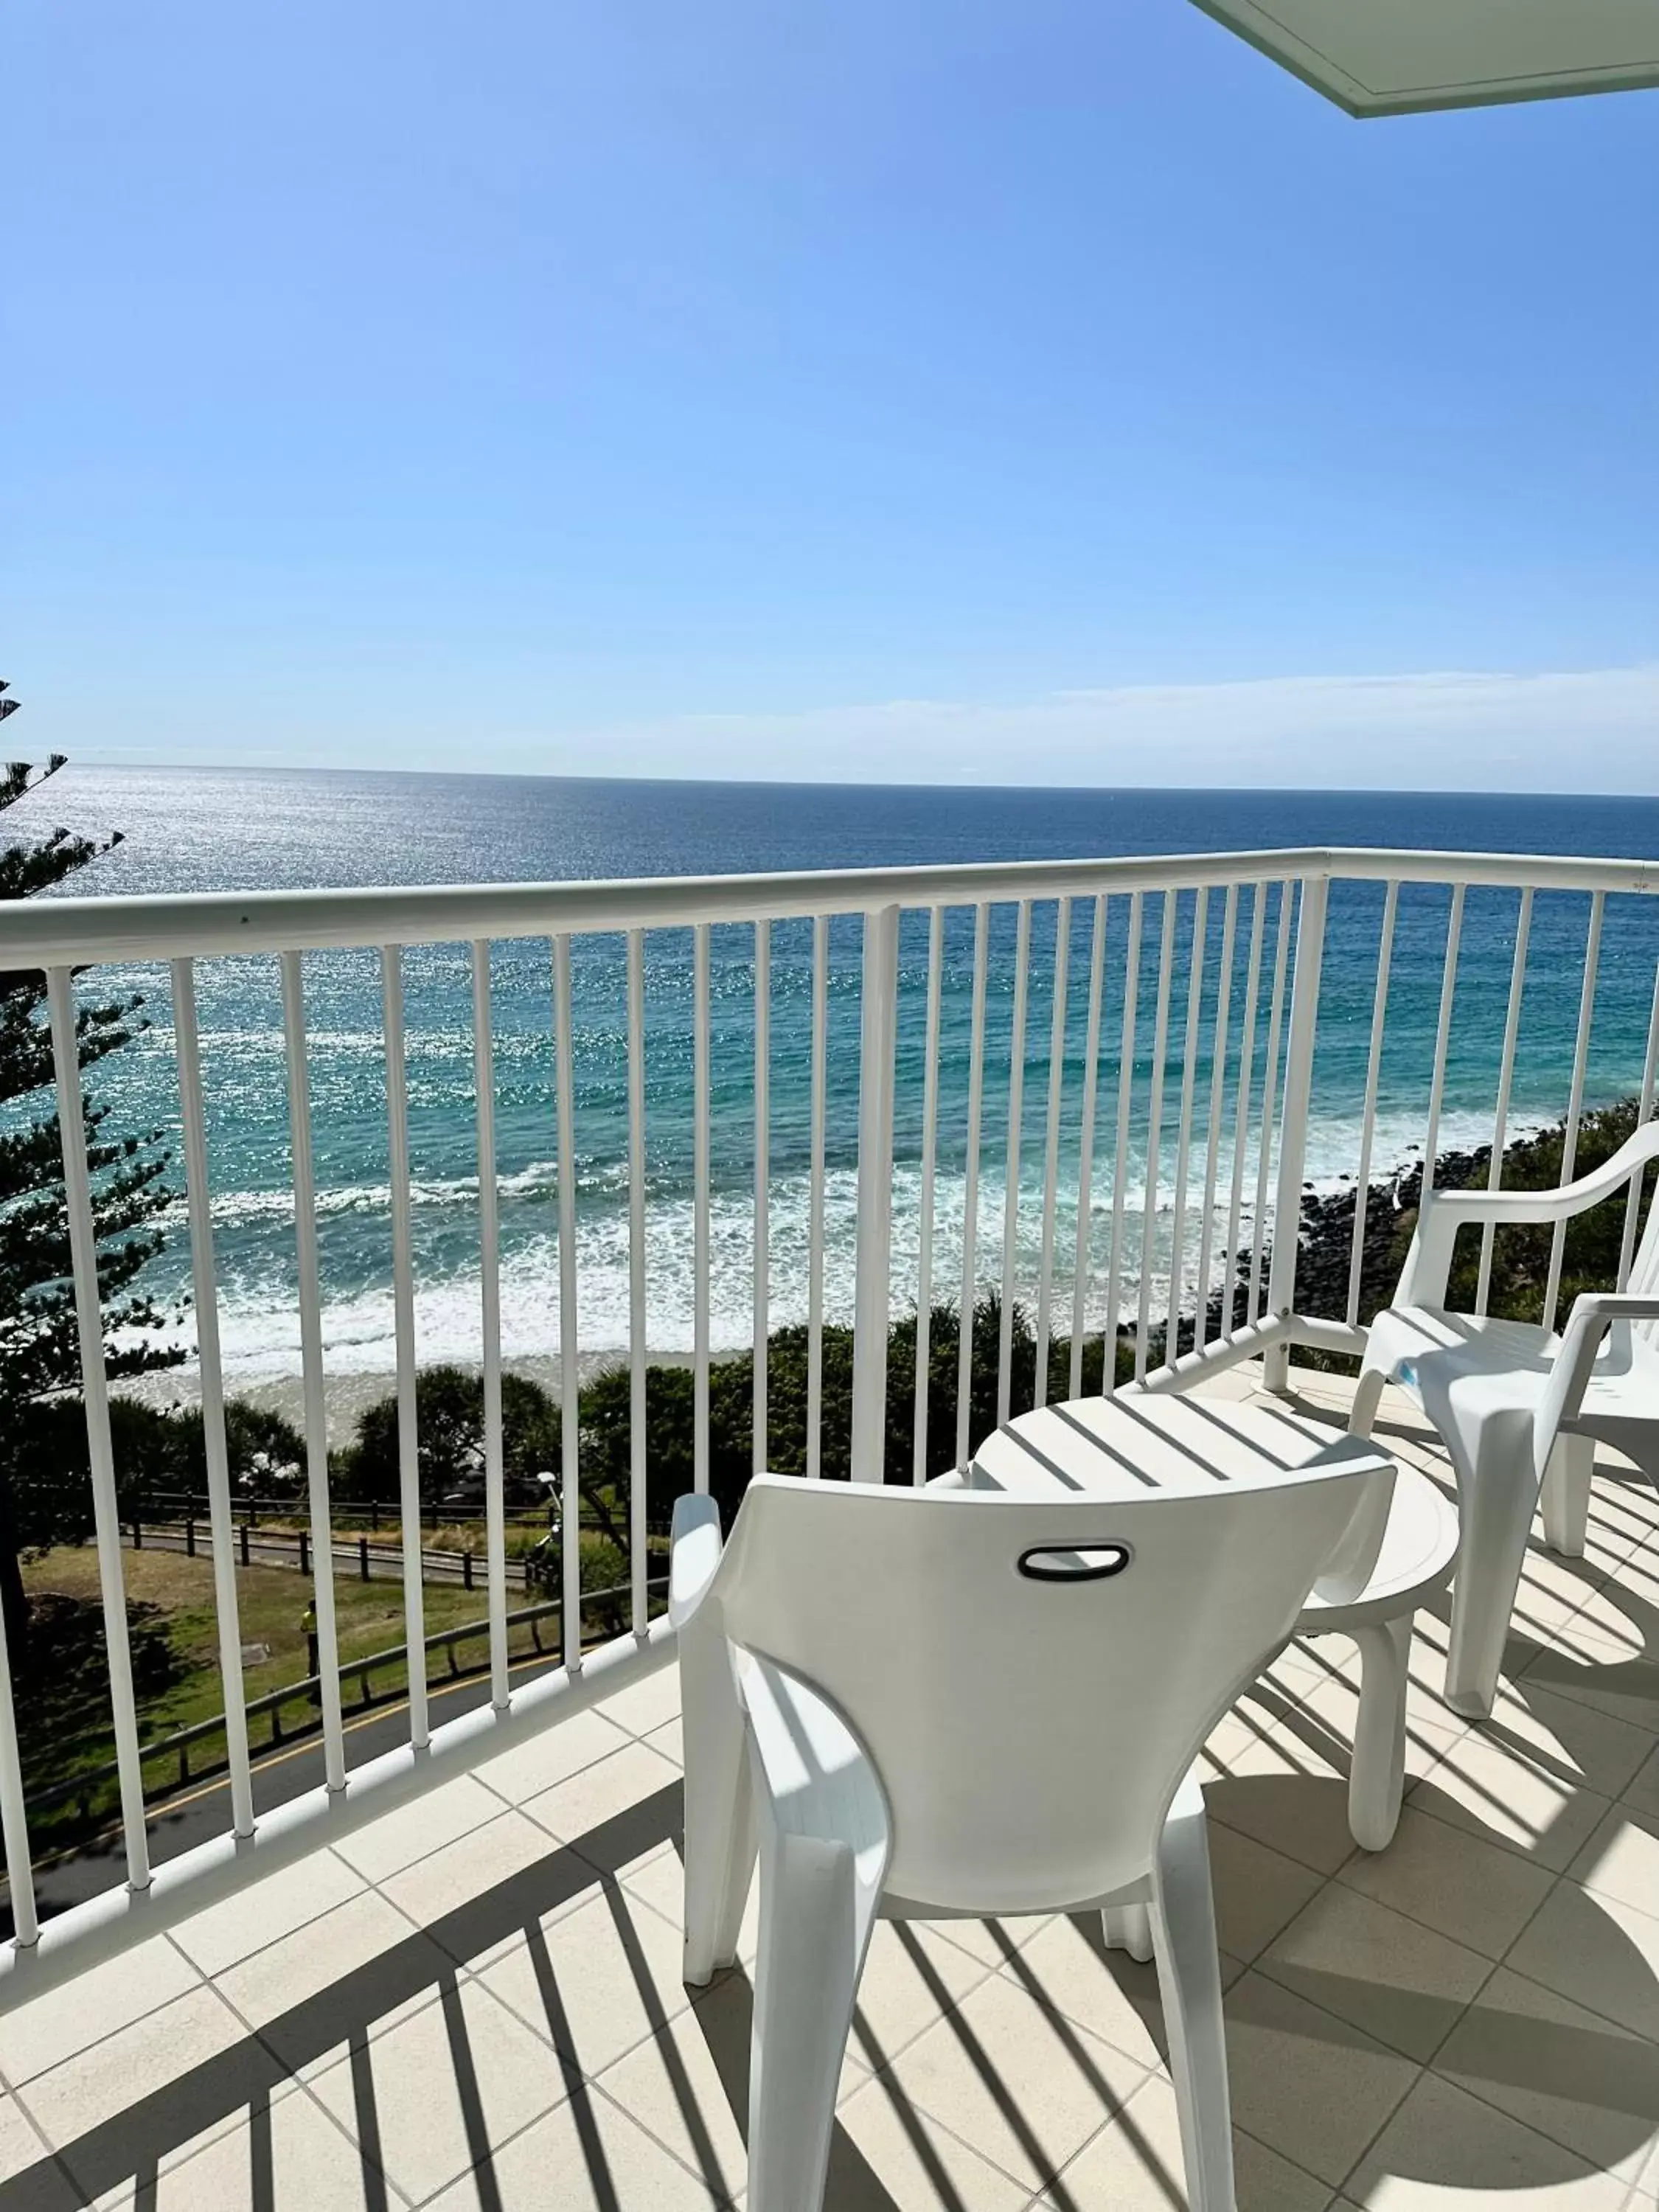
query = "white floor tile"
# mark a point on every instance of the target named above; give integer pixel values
(1400, 1981)
(41, 2031)
(587, 2156)
(85, 2092)
(427, 2101)
(266, 1910)
(1445, 2151)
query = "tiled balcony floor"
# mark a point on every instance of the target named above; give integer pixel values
(475, 2002)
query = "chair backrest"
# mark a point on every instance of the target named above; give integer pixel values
(1031, 1677)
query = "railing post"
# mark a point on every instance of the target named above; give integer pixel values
(877, 1044)
(1293, 1120)
(94, 1392)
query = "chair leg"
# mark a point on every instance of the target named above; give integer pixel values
(719, 1821)
(1128, 1928)
(1496, 1506)
(1367, 1396)
(1378, 1772)
(1190, 1980)
(806, 1988)
(1566, 1495)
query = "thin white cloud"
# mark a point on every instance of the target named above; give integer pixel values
(1594, 731)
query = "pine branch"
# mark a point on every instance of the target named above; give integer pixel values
(18, 777)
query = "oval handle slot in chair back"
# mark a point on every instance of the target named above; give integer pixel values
(1098, 1564)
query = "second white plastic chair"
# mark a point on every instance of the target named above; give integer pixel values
(1517, 1407)
(918, 1703)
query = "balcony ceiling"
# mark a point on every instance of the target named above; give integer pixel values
(1399, 57)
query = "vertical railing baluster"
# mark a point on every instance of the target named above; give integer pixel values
(1442, 1033)
(94, 1388)
(700, 1204)
(204, 1283)
(925, 1214)
(1269, 1088)
(873, 1284)
(1125, 1074)
(14, 1818)
(762, 1179)
(1576, 1101)
(311, 1359)
(1644, 1111)
(1217, 1102)
(1293, 1117)
(1155, 1131)
(970, 1182)
(1011, 1159)
(570, 1429)
(1184, 1131)
(403, 1306)
(1051, 1146)
(1373, 1079)
(1506, 1079)
(1232, 1254)
(815, 1197)
(638, 1461)
(489, 1276)
(1086, 1146)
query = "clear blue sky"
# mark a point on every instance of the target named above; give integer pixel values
(828, 388)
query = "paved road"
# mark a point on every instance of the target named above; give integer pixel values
(202, 1813)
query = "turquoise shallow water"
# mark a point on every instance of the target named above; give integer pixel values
(192, 830)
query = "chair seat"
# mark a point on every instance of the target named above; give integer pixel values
(1469, 1369)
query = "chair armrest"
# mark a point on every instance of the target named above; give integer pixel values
(1443, 1212)
(694, 1554)
(1592, 1316)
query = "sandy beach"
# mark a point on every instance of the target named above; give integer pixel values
(346, 1395)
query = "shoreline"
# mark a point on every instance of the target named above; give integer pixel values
(1325, 1233)
(345, 1396)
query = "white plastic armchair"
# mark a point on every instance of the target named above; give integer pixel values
(920, 1704)
(1518, 1407)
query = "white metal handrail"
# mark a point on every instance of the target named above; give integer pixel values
(54, 932)
(1218, 1060)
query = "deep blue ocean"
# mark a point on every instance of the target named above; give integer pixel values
(194, 829)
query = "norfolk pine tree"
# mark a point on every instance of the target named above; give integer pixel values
(42, 1501)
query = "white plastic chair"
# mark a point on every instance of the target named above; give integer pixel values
(1517, 1407)
(920, 1704)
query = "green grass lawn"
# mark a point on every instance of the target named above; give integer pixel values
(63, 1697)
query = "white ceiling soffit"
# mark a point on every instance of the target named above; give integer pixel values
(1400, 57)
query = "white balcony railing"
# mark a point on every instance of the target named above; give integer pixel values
(1174, 1028)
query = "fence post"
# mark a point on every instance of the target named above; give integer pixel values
(466, 1570)
(872, 1282)
(137, 1531)
(362, 1558)
(244, 1549)
(304, 1552)
(189, 1538)
(1293, 1120)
